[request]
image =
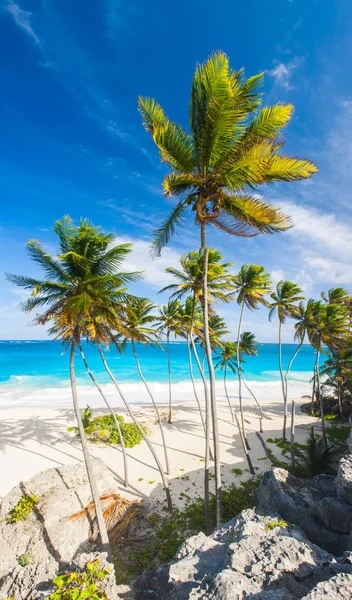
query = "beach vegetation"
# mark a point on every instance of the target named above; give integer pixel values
(270, 525)
(23, 508)
(102, 429)
(171, 530)
(231, 149)
(76, 585)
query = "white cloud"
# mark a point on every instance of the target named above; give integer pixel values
(277, 275)
(22, 18)
(141, 260)
(282, 73)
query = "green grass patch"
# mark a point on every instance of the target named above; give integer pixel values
(275, 523)
(237, 471)
(23, 509)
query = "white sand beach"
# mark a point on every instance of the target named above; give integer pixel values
(34, 437)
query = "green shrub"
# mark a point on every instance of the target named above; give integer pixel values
(237, 471)
(103, 429)
(275, 523)
(171, 530)
(22, 510)
(24, 560)
(78, 585)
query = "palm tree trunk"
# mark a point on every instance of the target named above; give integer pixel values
(289, 368)
(144, 436)
(227, 395)
(117, 424)
(320, 399)
(155, 407)
(244, 446)
(239, 375)
(206, 396)
(282, 383)
(87, 459)
(293, 464)
(257, 403)
(189, 347)
(339, 397)
(211, 379)
(169, 371)
(313, 393)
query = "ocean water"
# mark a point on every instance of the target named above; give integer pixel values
(32, 365)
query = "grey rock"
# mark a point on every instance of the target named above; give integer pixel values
(349, 441)
(298, 501)
(47, 534)
(336, 514)
(344, 479)
(32, 582)
(338, 587)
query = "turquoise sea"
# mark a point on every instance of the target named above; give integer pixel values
(44, 364)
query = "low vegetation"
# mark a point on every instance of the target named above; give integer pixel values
(275, 523)
(103, 429)
(23, 509)
(78, 585)
(171, 530)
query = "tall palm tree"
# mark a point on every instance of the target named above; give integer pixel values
(252, 285)
(249, 347)
(338, 368)
(302, 323)
(137, 320)
(328, 325)
(169, 323)
(227, 360)
(81, 280)
(232, 148)
(285, 303)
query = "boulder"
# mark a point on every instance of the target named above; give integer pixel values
(335, 588)
(298, 501)
(336, 514)
(344, 479)
(252, 556)
(47, 535)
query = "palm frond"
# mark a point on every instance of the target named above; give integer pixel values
(162, 234)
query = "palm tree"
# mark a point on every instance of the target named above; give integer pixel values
(285, 302)
(249, 347)
(169, 323)
(328, 325)
(252, 284)
(232, 148)
(302, 323)
(82, 280)
(137, 320)
(338, 368)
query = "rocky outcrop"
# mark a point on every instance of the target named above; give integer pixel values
(336, 588)
(311, 504)
(252, 557)
(344, 479)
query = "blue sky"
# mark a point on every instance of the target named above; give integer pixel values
(72, 140)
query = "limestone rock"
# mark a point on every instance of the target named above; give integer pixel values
(298, 501)
(336, 588)
(344, 479)
(47, 534)
(336, 514)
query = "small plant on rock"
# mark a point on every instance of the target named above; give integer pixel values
(76, 585)
(23, 509)
(275, 523)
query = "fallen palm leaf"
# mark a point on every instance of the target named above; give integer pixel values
(117, 511)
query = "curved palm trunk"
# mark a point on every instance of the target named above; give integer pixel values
(227, 395)
(155, 407)
(289, 368)
(169, 371)
(313, 393)
(320, 400)
(211, 379)
(282, 384)
(87, 459)
(293, 463)
(201, 370)
(257, 403)
(239, 375)
(144, 436)
(206, 396)
(117, 424)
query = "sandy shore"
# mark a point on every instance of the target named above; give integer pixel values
(34, 438)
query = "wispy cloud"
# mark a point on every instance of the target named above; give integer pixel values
(22, 18)
(282, 73)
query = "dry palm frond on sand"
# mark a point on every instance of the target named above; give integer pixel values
(117, 512)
